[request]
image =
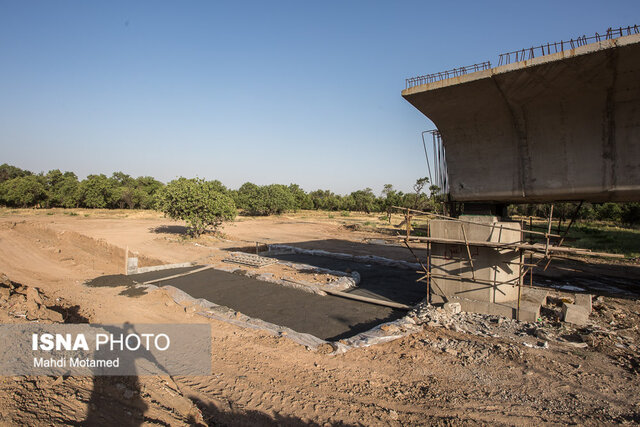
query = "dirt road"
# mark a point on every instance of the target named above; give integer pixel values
(440, 375)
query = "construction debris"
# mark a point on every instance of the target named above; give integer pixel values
(250, 260)
(25, 302)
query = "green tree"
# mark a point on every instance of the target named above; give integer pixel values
(122, 191)
(609, 212)
(265, 200)
(278, 199)
(197, 202)
(97, 191)
(390, 197)
(631, 213)
(8, 172)
(364, 201)
(149, 188)
(249, 199)
(325, 200)
(22, 192)
(62, 189)
(301, 199)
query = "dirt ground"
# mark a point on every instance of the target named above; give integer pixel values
(442, 375)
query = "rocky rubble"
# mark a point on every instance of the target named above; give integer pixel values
(621, 343)
(24, 302)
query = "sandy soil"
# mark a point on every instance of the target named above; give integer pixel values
(262, 379)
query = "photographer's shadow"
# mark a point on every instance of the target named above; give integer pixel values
(117, 399)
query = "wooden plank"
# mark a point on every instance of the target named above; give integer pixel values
(536, 247)
(474, 223)
(369, 300)
(175, 276)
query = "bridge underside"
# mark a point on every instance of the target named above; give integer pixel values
(560, 127)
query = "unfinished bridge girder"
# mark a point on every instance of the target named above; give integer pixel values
(565, 126)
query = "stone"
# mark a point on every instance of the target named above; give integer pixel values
(4, 279)
(577, 344)
(585, 300)
(47, 314)
(452, 307)
(390, 328)
(576, 314)
(32, 294)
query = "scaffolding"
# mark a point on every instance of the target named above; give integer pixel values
(539, 253)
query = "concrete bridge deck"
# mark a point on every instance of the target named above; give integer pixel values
(565, 126)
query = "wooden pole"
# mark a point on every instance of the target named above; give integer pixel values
(566, 232)
(429, 265)
(466, 242)
(520, 274)
(531, 253)
(546, 250)
(369, 300)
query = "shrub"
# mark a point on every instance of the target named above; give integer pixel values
(198, 202)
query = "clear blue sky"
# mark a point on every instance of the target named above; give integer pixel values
(264, 91)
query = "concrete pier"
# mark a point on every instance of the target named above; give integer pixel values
(483, 279)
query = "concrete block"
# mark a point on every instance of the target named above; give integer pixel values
(584, 300)
(534, 296)
(132, 265)
(576, 314)
(452, 307)
(529, 310)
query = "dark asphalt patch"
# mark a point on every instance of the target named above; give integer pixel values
(377, 281)
(327, 317)
(129, 281)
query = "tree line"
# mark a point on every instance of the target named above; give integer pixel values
(21, 188)
(621, 213)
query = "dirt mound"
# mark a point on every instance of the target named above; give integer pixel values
(61, 250)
